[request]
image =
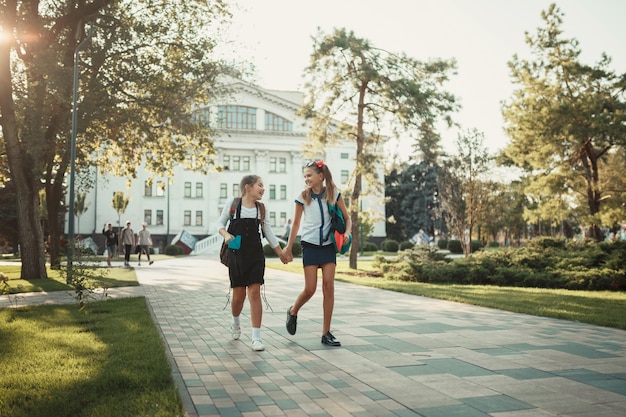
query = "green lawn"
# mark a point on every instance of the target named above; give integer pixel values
(105, 361)
(603, 308)
(112, 277)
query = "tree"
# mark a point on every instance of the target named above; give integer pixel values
(120, 203)
(354, 90)
(464, 191)
(411, 193)
(80, 207)
(564, 120)
(145, 65)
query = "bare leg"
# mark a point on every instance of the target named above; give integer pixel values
(328, 290)
(236, 304)
(256, 307)
(310, 285)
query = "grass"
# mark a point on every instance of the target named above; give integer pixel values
(112, 277)
(105, 361)
(602, 308)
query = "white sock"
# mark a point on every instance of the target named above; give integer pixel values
(235, 321)
(256, 333)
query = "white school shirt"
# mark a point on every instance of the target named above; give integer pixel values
(315, 224)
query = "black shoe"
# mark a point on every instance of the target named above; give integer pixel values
(329, 339)
(292, 321)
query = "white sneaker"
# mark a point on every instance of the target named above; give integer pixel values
(257, 345)
(236, 332)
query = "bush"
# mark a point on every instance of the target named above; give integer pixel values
(454, 246)
(370, 247)
(174, 250)
(493, 244)
(545, 264)
(442, 244)
(476, 245)
(390, 245)
(406, 245)
(296, 250)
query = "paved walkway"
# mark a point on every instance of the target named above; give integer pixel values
(401, 356)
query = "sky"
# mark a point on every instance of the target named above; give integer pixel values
(482, 35)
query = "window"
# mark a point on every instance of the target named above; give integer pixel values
(160, 188)
(283, 218)
(199, 190)
(272, 164)
(345, 176)
(235, 190)
(159, 218)
(147, 189)
(283, 192)
(187, 189)
(223, 190)
(226, 161)
(236, 163)
(201, 116)
(272, 219)
(147, 217)
(187, 218)
(198, 218)
(344, 155)
(272, 192)
(276, 122)
(245, 163)
(236, 117)
(282, 164)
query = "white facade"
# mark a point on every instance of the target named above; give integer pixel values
(193, 201)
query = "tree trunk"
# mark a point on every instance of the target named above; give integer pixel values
(356, 192)
(30, 233)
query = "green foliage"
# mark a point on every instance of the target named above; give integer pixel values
(476, 245)
(370, 247)
(567, 127)
(454, 246)
(406, 245)
(412, 204)
(442, 243)
(390, 245)
(544, 263)
(174, 250)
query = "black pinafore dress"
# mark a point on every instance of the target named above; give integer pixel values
(246, 265)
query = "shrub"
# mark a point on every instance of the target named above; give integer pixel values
(370, 247)
(406, 245)
(454, 246)
(390, 245)
(174, 250)
(493, 244)
(476, 245)
(442, 244)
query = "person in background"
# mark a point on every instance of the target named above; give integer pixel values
(144, 240)
(111, 241)
(285, 235)
(127, 239)
(318, 250)
(246, 262)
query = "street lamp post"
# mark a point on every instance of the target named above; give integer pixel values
(70, 227)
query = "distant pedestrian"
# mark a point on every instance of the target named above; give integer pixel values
(111, 241)
(285, 235)
(128, 240)
(144, 240)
